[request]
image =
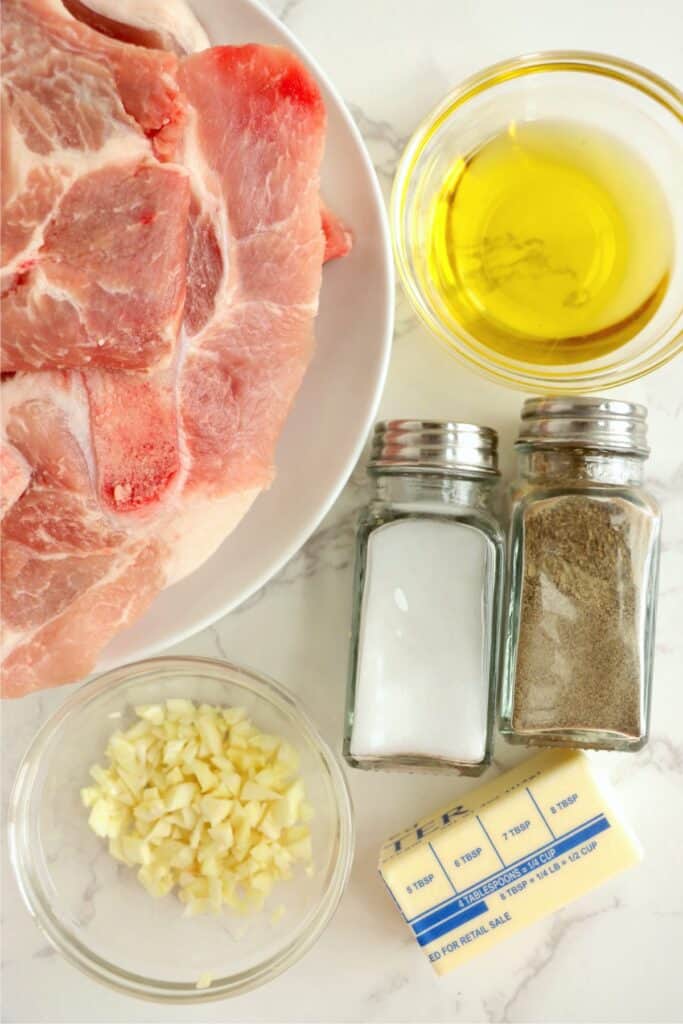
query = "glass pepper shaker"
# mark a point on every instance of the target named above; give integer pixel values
(584, 554)
(427, 601)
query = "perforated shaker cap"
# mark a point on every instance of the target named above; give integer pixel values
(584, 422)
(445, 446)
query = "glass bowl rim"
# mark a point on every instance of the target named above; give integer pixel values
(630, 74)
(106, 972)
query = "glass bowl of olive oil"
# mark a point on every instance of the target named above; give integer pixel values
(537, 219)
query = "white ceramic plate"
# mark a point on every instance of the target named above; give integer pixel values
(337, 403)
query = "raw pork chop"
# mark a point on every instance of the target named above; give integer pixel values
(69, 574)
(136, 478)
(171, 25)
(94, 223)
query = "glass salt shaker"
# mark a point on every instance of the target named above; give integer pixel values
(427, 601)
(584, 554)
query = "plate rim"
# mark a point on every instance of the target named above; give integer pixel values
(107, 663)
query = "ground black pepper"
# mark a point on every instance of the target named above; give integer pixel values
(579, 663)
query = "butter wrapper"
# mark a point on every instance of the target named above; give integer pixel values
(505, 855)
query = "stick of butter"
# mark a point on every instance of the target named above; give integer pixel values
(509, 853)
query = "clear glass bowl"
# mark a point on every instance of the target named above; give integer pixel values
(94, 910)
(632, 103)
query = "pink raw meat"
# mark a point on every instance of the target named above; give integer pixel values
(338, 237)
(136, 478)
(246, 363)
(170, 25)
(70, 576)
(15, 474)
(94, 222)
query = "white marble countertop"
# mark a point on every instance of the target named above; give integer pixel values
(617, 954)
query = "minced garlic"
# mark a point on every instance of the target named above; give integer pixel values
(199, 799)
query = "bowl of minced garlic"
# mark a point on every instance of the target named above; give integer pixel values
(180, 830)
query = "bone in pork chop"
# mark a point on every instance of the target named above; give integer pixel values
(136, 478)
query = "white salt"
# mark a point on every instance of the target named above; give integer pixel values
(422, 681)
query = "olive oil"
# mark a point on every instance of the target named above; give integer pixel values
(551, 243)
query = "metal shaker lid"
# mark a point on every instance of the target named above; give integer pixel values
(584, 422)
(445, 446)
